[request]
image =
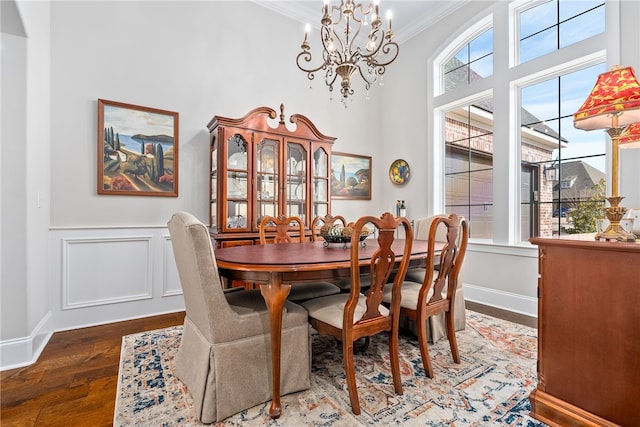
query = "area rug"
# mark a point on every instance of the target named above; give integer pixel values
(490, 387)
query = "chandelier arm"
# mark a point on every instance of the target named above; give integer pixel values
(327, 53)
(330, 78)
(367, 82)
(351, 37)
(390, 48)
(376, 36)
(306, 56)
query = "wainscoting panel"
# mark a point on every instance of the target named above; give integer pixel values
(171, 282)
(105, 270)
(107, 274)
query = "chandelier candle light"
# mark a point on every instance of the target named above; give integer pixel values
(345, 50)
(613, 104)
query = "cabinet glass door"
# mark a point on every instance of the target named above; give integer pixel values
(321, 182)
(237, 183)
(267, 190)
(296, 181)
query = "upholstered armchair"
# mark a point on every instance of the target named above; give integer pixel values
(224, 357)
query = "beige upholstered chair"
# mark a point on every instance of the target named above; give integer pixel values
(436, 294)
(350, 316)
(280, 225)
(225, 354)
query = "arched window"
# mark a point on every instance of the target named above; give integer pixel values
(511, 140)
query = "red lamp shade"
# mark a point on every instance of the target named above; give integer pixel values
(613, 102)
(630, 138)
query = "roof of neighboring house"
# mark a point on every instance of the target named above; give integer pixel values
(584, 177)
(458, 76)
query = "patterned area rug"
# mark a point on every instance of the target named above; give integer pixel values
(490, 387)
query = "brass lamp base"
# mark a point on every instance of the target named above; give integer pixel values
(615, 213)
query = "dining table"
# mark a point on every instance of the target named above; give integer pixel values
(275, 267)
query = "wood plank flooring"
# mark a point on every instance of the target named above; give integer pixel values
(74, 381)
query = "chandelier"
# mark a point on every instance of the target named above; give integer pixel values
(346, 49)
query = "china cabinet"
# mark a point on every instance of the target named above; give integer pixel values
(260, 166)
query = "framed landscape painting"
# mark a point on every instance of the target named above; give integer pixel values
(137, 150)
(350, 176)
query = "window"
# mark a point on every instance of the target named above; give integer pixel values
(549, 138)
(474, 61)
(539, 169)
(469, 167)
(556, 24)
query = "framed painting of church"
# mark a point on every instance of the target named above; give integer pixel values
(350, 176)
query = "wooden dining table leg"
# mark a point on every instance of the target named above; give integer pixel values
(275, 295)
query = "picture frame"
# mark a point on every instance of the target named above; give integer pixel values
(350, 176)
(137, 150)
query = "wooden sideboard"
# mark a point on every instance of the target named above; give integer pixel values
(588, 332)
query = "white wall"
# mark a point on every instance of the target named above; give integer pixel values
(189, 57)
(90, 259)
(629, 45)
(25, 174)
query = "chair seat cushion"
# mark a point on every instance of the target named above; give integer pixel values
(415, 275)
(330, 309)
(305, 291)
(250, 302)
(345, 284)
(409, 291)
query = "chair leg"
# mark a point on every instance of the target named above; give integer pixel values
(451, 336)
(395, 361)
(357, 349)
(421, 322)
(350, 373)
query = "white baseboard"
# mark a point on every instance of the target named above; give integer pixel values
(500, 299)
(25, 351)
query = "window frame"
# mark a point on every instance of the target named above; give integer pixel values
(503, 88)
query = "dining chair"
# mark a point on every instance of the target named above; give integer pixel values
(344, 283)
(437, 292)
(280, 225)
(436, 325)
(224, 357)
(351, 316)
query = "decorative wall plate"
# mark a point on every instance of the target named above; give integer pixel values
(399, 171)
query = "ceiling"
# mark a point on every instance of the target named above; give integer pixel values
(410, 17)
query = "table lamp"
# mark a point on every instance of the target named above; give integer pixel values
(630, 138)
(613, 104)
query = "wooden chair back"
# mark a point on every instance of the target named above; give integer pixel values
(378, 271)
(319, 221)
(451, 258)
(431, 300)
(280, 225)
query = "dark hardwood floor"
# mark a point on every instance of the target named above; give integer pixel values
(74, 381)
